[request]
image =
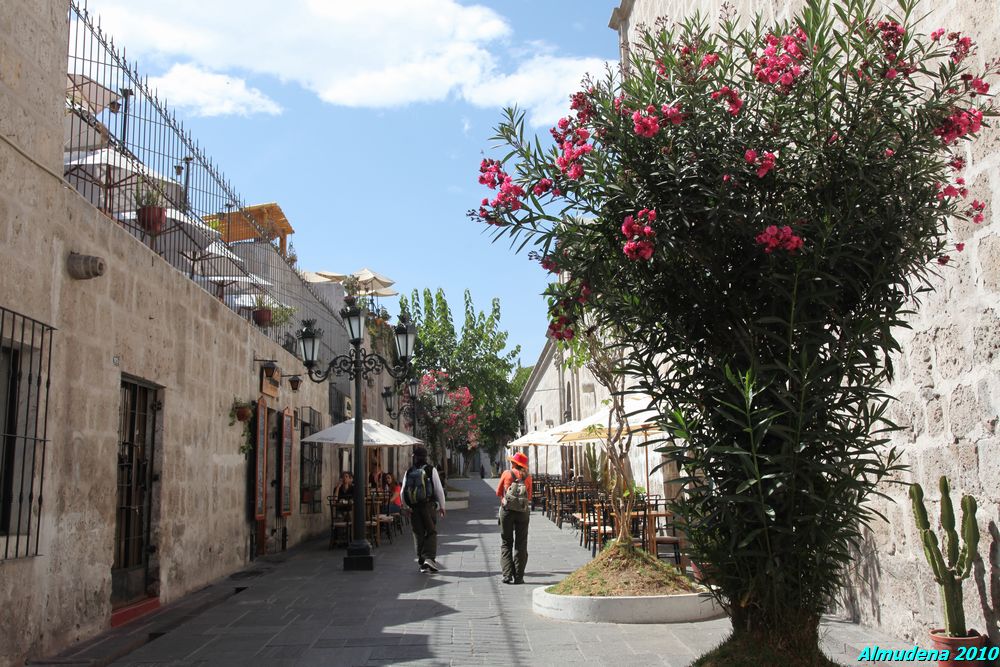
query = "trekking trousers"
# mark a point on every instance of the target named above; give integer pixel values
(425, 536)
(513, 533)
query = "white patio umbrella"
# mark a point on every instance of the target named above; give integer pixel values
(595, 427)
(87, 94)
(374, 434)
(108, 178)
(214, 259)
(370, 280)
(234, 283)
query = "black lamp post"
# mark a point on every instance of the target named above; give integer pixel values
(395, 410)
(357, 364)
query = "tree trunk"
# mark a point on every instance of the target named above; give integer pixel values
(786, 631)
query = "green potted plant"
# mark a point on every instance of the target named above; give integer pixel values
(263, 312)
(351, 287)
(241, 411)
(281, 315)
(950, 569)
(149, 210)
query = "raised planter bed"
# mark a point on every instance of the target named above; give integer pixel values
(683, 608)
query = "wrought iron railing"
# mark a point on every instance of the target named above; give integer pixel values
(126, 152)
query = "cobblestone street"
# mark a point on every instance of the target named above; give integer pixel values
(301, 608)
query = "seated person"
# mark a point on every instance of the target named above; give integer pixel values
(345, 489)
(392, 489)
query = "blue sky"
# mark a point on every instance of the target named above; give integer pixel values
(366, 121)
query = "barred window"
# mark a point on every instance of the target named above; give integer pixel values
(311, 465)
(25, 361)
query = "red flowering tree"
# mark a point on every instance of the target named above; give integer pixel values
(452, 426)
(754, 212)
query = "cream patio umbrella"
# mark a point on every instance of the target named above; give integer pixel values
(373, 434)
(108, 178)
(639, 418)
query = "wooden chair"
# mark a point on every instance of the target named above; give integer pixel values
(340, 524)
(662, 538)
(601, 526)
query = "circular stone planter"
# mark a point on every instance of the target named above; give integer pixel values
(680, 608)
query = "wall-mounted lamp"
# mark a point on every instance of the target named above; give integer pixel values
(269, 366)
(295, 382)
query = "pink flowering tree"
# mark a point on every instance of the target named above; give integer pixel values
(451, 427)
(753, 212)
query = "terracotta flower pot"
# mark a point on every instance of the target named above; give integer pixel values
(152, 218)
(956, 646)
(243, 413)
(262, 317)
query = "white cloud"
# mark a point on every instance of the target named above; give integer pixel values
(188, 86)
(359, 54)
(542, 85)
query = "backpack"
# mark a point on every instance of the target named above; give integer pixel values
(516, 497)
(419, 486)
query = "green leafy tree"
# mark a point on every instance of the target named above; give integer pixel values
(477, 359)
(753, 212)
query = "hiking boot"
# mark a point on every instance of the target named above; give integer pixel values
(508, 580)
(434, 564)
(425, 568)
(518, 581)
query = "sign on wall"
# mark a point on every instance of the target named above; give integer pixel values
(287, 434)
(260, 483)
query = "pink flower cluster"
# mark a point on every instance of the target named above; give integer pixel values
(581, 104)
(779, 238)
(962, 48)
(574, 146)
(548, 263)
(781, 61)
(647, 124)
(957, 190)
(542, 186)
(560, 328)
(709, 60)
(977, 211)
(979, 87)
(492, 175)
(639, 233)
(764, 163)
(959, 124)
(731, 96)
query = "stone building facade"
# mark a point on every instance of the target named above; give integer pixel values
(948, 374)
(141, 369)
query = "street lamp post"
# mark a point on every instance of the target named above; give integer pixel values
(395, 410)
(357, 364)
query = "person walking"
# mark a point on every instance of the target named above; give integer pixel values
(514, 491)
(423, 496)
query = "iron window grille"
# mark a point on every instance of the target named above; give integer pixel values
(25, 364)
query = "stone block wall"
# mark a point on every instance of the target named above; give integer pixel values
(948, 374)
(142, 320)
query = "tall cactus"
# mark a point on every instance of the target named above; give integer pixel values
(955, 565)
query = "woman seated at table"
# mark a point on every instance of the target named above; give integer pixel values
(392, 489)
(344, 491)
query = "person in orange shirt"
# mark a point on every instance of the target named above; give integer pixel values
(514, 492)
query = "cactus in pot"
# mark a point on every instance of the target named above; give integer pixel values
(954, 564)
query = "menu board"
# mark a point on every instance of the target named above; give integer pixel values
(287, 433)
(260, 484)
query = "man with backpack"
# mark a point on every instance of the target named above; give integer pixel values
(514, 492)
(423, 496)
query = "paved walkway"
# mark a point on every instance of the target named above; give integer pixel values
(301, 609)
